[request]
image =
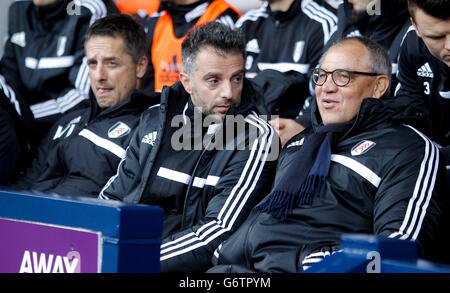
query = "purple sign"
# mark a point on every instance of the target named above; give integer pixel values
(27, 247)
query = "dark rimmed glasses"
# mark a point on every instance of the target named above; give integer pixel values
(341, 77)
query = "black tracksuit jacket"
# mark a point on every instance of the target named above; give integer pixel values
(219, 188)
(385, 178)
(424, 86)
(83, 149)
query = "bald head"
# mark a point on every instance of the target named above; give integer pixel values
(346, 76)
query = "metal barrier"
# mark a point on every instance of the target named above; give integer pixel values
(54, 233)
(375, 254)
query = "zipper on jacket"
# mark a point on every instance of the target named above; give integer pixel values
(191, 180)
(358, 117)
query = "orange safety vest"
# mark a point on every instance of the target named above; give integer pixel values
(133, 6)
(166, 48)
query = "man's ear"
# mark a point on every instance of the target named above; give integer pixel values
(141, 67)
(415, 27)
(186, 81)
(381, 86)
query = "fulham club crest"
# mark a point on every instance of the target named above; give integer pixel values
(118, 130)
(362, 147)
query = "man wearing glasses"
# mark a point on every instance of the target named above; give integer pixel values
(357, 169)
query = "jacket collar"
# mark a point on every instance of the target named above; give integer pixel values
(135, 100)
(48, 14)
(285, 15)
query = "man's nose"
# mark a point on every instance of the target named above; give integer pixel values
(99, 73)
(226, 90)
(447, 42)
(329, 85)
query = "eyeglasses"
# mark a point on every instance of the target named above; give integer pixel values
(341, 77)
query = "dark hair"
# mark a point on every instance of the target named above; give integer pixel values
(217, 35)
(379, 60)
(125, 26)
(436, 8)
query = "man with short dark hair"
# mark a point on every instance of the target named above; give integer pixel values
(42, 73)
(83, 148)
(355, 170)
(424, 71)
(203, 154)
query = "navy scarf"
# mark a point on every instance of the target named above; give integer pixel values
(307, 172)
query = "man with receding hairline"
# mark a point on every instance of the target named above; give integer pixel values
(42, 73)
(83, 148)
(383, 21)
(357, 169)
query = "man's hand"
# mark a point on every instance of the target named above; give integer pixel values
(286, 128)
